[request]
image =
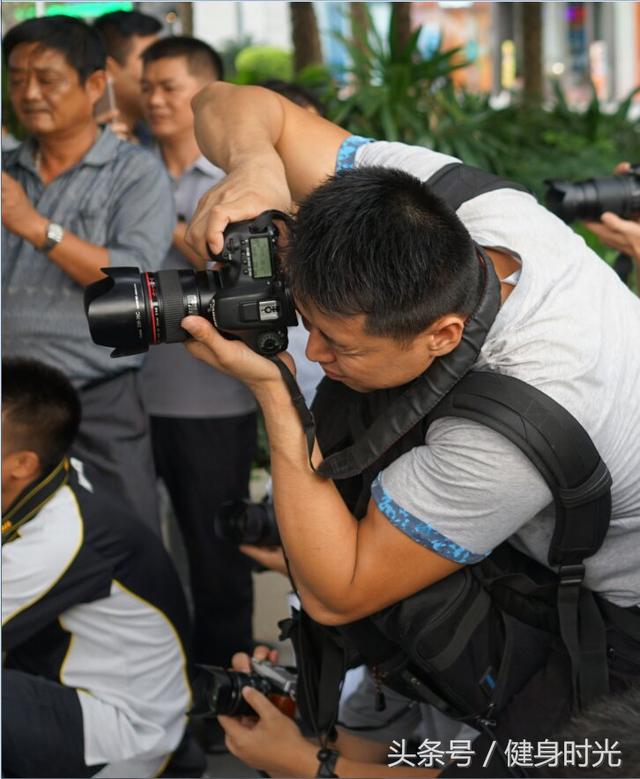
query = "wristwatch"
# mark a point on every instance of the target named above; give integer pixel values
(54, 233)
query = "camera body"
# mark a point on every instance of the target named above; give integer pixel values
(252, 300)
(244, 522)
(246, 298)
(219, 691)
(590, 198)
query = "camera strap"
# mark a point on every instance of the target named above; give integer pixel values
(417, 401)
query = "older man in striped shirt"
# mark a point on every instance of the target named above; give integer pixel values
(77, 199)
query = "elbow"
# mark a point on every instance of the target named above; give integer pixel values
(209, 93)
(332, 615)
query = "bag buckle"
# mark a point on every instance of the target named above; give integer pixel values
(571, 575)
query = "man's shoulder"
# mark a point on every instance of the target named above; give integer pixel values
(417, 160)
(133, 159)
(49, 543)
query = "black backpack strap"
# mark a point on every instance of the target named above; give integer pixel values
(563, 453)
(456, 183)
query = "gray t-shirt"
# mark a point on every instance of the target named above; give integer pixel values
(571, 329)
(118, 196)
(175, 384)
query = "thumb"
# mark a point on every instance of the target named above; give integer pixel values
(258, 702)
(202, 330)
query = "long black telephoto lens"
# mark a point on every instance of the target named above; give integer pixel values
(589, 199)
(243, 522)
(134, 310)
(219, 691)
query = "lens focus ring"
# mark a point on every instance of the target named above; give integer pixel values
(173, 307)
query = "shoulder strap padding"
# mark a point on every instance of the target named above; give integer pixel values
(456, 183)
(556, 444)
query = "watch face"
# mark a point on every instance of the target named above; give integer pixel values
(55, 232)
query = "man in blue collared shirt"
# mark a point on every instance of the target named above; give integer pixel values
(76, 199)
(203, 423)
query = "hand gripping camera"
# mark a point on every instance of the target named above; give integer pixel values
(246, 299)
(219, 691)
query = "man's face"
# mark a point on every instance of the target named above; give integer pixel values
(126, 77)
(46, 92)
(364, 362)
(167, 89)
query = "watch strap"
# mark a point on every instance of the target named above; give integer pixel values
(327, 759)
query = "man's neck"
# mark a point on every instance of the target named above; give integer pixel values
(504, 265)
(179, 153)
(59, 152)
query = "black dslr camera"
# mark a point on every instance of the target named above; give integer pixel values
(219, 691)
(244, 522)
(589, 199)
(247, 298)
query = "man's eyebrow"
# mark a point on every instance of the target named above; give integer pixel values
(162, 81)
(326, 337)
(39, 71)
(338, 345)
(331, 340)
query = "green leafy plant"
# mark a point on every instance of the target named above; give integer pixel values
(391, 88)
(259, 63)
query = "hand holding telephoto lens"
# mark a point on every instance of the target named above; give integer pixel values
(609, 207)
(616, 232)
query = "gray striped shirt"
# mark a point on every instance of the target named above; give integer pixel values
(118, 196)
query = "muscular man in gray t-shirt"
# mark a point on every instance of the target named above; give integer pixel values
(386, 277)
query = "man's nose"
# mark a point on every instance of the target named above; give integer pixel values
(317, 348)
(154, 97)
(32, 89)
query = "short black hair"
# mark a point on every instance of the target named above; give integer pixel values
(377, 241)
(297, 94)
(118, 28)
(43, 408)
(201, 58)
(81, 45)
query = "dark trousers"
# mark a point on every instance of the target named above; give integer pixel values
(203, 463)
(115, 439)
(42, 731)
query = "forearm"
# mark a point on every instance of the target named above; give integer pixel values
(318, 531)
(234, 125)
(79, 259)
(239, 127)
(353, 768)
(304, 763)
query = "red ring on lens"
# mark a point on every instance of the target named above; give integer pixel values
(153, 304)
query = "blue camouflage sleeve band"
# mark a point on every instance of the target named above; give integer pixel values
(419, 531)
(347, 152)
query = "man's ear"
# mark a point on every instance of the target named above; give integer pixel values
(445, 334)
(23, 465)
(113, 67)
(95, 85)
